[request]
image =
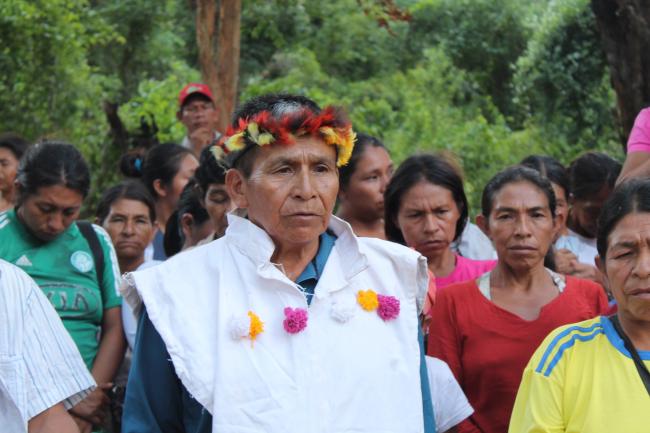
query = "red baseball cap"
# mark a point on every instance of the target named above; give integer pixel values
(194, 88)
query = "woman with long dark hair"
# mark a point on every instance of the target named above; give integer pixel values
(72, 262)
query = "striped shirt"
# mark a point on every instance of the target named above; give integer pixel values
(40, 365)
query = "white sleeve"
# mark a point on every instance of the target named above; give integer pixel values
(44, 366)
(450, 406)
(129, 323)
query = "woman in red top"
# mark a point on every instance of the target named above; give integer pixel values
(487, 329)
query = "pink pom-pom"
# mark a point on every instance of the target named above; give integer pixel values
(295, 320)
(388, 307)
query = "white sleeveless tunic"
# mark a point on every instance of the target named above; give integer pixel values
(361, 375)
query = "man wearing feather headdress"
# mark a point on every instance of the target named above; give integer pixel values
(288, 323)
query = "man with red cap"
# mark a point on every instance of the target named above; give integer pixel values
(198, 112)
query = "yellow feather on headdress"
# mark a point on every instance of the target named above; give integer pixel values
(235, 142)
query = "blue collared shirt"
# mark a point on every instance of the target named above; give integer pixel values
(156, 400)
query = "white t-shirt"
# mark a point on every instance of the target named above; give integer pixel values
(129, 321)
(584, 248)
(474, 245)
(450, 406)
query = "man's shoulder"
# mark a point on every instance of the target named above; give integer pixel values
(16, 286)
(388, 249)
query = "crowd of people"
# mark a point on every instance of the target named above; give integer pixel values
(286, 276)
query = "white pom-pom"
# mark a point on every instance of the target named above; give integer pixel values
(239, 327)
(343, 308)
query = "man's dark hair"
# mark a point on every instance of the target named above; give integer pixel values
(429, 168)
(549, 168)
(276, 104)
(590, 172)
(210, 171)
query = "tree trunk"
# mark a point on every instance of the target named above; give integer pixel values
(624, 26)
(218, 39)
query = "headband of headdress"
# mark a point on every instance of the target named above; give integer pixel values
(263, 129)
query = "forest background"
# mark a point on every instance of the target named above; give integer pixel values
(489, 80)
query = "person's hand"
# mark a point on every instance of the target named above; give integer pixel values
(93, 408)
(201, 137)
(565, 261)
(84, 426)
(587, 272)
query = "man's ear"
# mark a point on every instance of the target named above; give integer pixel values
(186, 222)
(600, 264)
(159, 188)
(482, 223)
(236, 187)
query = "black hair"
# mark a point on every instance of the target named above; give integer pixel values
(630, 197)
(52, 163)
(276, 104)
(189, 202)
(15, 143)
(210, 170)
(362, 143)
(514, 174)
(549, 168)
(128, 189)
(590, 172)
(162, 162)
(430, 168)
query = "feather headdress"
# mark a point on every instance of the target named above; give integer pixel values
(263, 129)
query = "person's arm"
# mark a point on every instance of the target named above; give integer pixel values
(153, 402)
(108, 360)
(112, 344)
(52, 420)
(636, 165)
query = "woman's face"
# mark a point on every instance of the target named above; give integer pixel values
(130, 227)
(561, 207)
(627, 266)
(218, 204)
(8, 169)
(427, 218)
(364, 194)
(185, 172)
(50, 210)
(520, 225)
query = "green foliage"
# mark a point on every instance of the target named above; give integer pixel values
(424, 115)
(489, 80)
(482, 37)
(562, 82)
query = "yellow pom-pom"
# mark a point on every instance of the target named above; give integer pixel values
(367, 299)
(256, 326)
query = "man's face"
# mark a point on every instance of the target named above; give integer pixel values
(198, 111)
(291, 191)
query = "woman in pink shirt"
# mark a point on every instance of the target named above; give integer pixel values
(426, 209)
(637, 161)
